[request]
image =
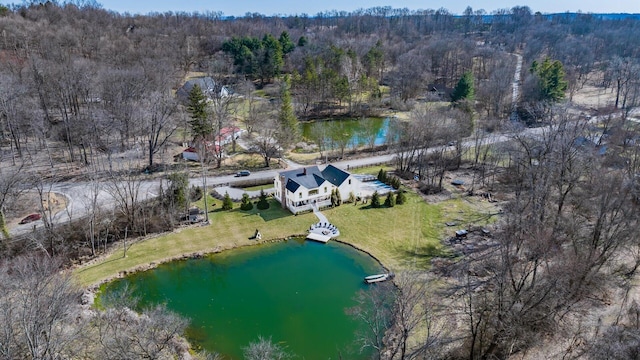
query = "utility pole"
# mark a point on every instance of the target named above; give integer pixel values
(204, 181)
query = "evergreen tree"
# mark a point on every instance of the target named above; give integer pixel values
(390, 201)
(246, 204)
(302, 41)
(550, 78)
(286, 43)
(375, 200)
(263, 204)
(338, 198)
(401, 197)
(464, 90)
(227, 203)
(382, 176)
(177, 192)
(373, 61)
(197, 109)
(334, 198)
(269, 59)
(287, 120)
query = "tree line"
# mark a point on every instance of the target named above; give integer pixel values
(81, 86)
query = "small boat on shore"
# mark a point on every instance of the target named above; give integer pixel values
(376, 278)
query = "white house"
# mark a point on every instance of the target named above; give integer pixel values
(300, 189)
(209, 87)
(228, 134)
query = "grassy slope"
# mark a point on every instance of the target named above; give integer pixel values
(402, 237)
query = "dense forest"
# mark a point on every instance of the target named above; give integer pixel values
(81, 86)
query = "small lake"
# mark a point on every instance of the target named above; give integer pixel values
(294, 292)
(350, 133)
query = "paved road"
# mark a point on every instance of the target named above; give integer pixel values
(80, 193)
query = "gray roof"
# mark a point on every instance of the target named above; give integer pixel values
(334, 175)
(208, 86)
(310, 178)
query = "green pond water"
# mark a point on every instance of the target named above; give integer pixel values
(294, 292)
(349, 132)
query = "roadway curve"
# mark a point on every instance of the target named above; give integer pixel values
(78, 193)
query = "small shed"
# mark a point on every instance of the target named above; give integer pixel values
(194, 214)
(190, 153)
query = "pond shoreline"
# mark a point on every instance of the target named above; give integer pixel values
(90, 291)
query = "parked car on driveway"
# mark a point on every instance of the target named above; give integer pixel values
(243, 173)
(30, 218)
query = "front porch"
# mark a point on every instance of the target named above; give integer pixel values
(308, 204)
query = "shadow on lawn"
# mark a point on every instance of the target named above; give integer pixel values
(275, 211)
(422, 255)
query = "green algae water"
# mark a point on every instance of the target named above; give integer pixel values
(294, 292)
(350, 131)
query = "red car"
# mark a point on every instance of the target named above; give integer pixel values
(30, 218)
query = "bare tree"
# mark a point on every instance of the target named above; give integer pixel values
(36, 306)
(563, 232)
(374, 307)
(125, 190)
(152, 334)
(159, 123)
(265, 142)
(264, 349)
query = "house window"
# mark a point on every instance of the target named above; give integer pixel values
(349, 181)
(313, 192)
(325, 189)
(300, 196)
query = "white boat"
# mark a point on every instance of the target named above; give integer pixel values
(376, 278)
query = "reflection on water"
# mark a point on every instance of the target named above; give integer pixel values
(294, 292)
(348, 133)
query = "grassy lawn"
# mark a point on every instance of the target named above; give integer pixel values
(228, 229)
(371, 170)
(403, 237)
(258, 187)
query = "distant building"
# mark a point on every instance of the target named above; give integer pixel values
(191, 153)
(209, 87)
(300, 189)
(439, 92)
(228, 135)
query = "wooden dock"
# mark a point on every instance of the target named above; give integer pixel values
(318, 237)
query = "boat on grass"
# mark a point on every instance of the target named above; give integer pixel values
(377, 278)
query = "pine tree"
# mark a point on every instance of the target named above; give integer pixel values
(263, 204)
(338, 198)
(246, 204)
(287, 120)
(401, 198)
(375, 200)
(197, 108)
(551, 79)
(227, 203)
(382, 176)
(464, 90)
(286, 43)
(390, 201)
